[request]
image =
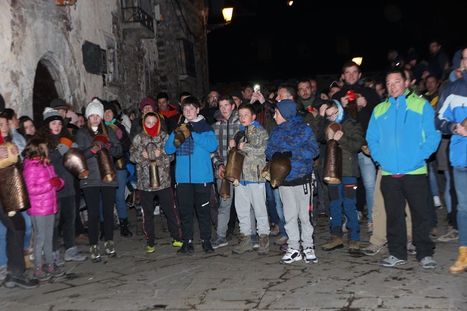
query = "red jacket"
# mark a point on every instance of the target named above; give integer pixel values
(42, 194)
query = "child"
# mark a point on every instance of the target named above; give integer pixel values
(141, 154)
(292, 135)
(251, 191)
(350, 140)
(91, 138)
(194, 174)
(42, 183)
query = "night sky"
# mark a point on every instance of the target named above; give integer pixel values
(268, 40)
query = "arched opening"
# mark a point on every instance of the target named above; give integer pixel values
(44, 90)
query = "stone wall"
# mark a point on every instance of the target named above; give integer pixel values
(40, 31)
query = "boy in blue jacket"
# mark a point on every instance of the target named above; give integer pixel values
(193, 173)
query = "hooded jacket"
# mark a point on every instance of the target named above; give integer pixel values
(402, 135)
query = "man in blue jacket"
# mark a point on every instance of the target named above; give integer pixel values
(452, 118)
(401, 136)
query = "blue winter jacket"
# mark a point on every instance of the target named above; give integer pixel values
(295, 136)
(193, 157)
(402, 134)
(453, 109)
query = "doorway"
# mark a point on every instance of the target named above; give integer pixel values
(44, 91)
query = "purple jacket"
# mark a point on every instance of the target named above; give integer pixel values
(42, 195)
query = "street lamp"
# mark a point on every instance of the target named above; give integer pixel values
(227, 14)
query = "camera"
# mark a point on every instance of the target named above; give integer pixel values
(256, 88)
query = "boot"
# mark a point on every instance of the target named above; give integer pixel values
(461, 263)
(244, 245)
(263, 244)
(124, 228)
(354, 248)
(334, 243)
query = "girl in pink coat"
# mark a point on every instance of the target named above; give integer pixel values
(42, 183)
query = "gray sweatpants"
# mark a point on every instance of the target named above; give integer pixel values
(296, 200)
(43, 237)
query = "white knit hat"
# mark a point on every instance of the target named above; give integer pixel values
(95, 107)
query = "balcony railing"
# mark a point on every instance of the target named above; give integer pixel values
(133, 12)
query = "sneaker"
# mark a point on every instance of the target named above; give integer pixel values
(157, 210)
(451, 235)
(434, 233)
(283, 248)
(437, 201)
(110, 248)
(20, 281)
(309, 255)
(354, 248)
(244, 245)
(207, 247)
(41, 275)
(263, 244)
(186, 249)
(255, 242)
(291, 255)
(274, 230)
(3, 273)
(411, 249)
(72, 254)
(95, 254)
(372, 249)
(150, 249)
(220, 242)
(428, 263)
(281, 240)
(55, 271)
(392, 261)
(334, 242)
(57, 259)
(177, 243)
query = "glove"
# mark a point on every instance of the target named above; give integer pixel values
(62, 148)
(55, 181)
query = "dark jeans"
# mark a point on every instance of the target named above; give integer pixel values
(93, 195)
(166, 201)
(414, 189)
(195, 197)
(14, 241)
(65, 222)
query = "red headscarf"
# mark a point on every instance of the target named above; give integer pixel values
(152, 131)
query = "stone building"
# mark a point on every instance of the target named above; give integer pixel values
(113, 49)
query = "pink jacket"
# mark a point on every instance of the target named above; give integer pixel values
(42, 195)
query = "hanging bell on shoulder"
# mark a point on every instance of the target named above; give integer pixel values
(154, 181)
(106, 167)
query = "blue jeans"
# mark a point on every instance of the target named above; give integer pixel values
(27, 230)
(280, 212)
(460, 181)
(3, 258)
(344, 195)
(368, 173)
(433, 176)
(447, 191)
(122, 209)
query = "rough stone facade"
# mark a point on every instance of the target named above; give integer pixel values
(133, 64)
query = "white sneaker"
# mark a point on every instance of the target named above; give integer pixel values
(291, 255)
(437, 201)
(309, 255)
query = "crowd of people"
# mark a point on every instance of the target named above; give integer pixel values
(217, 159)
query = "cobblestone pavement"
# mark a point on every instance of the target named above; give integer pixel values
(223, 281)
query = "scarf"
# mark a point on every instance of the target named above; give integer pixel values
(152, 131)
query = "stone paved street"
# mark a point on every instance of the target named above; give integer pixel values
(222, 281)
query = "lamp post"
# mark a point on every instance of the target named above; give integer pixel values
(227, 13)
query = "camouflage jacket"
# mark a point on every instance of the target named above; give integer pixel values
(140, 142)
(256, 139)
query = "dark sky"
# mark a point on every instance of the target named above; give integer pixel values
(268, 40)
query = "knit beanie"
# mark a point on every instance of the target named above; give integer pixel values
(95, 107)
(148, 101)
(50, 115)
(287, 108)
